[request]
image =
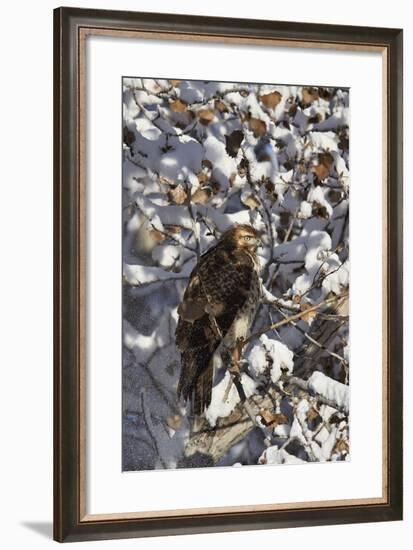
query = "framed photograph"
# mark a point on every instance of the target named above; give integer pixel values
(228, 274)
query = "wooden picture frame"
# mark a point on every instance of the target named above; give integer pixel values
(71, 27)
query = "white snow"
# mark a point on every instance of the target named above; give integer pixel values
(305, 209)
(273, 354)
(144, 345)
(338, 280)
(274, 455)
(317, 195)
(332, 390)
(281, 430)
(223, 166)
(220, 407)
(141, 274)
(166, 255)
(319, 260)
(147, 130)
(258, 359)
(186, 155)
(327, 141)
(328, 444)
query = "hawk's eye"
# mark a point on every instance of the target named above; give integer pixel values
(247, 237)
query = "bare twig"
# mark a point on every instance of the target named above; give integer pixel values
(158, 386)
(269, 222)
(154, 121)
(174, 238)
(269, 299)
(178, 241)
(313, 340)
(290, 227)
(150, 427)
(158, 281)
(286, 262)
(293, 317)
(195, 227)
(317, 281)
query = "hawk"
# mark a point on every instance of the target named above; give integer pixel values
(216, 310)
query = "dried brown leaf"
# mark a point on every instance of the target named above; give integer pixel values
(315, 119)
(292, 109)
(325, 163)
(179, 106)
(202, 195)
(220, 106)
(206, 116)
(309, 95)
(341, 446)
(324, 93)
(177, 195)
(320, 211)
(233, 142)
(174, 421)
(157, 236)
(173, 229)
(202, 177)
(257, 126)
(271, 100)
(215, 186)
(251, 202)
(128, 136)
(335, 418)
(166, 181)
(326, 159)
(308, 317)
(269, 418)
(269, 186)
(312, 414)
(321, 171)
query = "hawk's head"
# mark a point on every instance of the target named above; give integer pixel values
(242, 236)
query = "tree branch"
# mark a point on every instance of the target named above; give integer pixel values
(313, 340)
(229, 431)
(295, 317)
(304, 386)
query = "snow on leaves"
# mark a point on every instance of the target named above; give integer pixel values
(271, 355)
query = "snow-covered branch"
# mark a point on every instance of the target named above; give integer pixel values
(328, 391)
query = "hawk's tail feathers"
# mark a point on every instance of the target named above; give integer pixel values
(201, 395)
(195, 381)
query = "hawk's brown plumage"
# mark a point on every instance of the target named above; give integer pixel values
(216, 310)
